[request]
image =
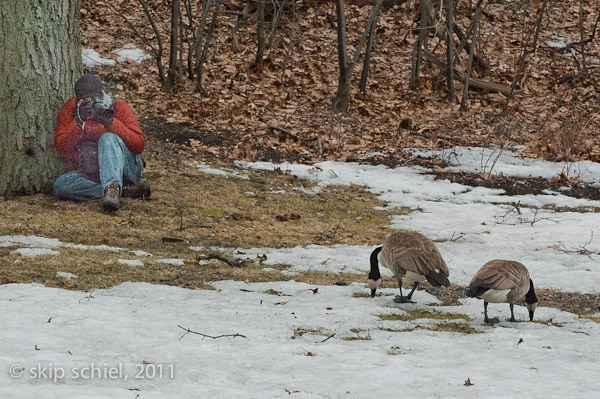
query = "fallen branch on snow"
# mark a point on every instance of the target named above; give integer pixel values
(187, 331)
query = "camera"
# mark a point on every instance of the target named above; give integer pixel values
(98, 105)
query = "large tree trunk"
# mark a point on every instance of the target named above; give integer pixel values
(40, 60)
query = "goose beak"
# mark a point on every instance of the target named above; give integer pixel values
(373, 292)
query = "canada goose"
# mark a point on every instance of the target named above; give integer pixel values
(503, 281)
(411, 255)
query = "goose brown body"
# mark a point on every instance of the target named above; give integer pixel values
(503, 281)
(412, 255)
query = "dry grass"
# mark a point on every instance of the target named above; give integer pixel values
(358, 337)
(423, 314)
(368, 295)
(457, 327)
(197, 209)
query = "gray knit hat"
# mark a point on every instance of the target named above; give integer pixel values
(88, 86)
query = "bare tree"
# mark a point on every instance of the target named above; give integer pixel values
(172, 74)
(201, 57)
(450, 49)
(474, 27)
(420, 43)
(342, 96)
(362, 86)
(260, 34)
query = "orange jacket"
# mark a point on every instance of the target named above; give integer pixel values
(67, 134)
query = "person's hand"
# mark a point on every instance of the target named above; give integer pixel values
(104, 115)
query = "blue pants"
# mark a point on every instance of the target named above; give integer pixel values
(116, 163)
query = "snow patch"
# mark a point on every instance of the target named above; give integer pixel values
(34, 252)
(172, 261)
(131, 262)
(65, 275)
(92, 59)
(138, 252)
(135, 325)
(131, 52)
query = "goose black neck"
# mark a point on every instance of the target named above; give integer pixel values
(530, 297)
(374, 273)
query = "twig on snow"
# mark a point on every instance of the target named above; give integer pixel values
(187, 331)
(329, 337)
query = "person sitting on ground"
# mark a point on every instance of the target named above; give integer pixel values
(103, 140)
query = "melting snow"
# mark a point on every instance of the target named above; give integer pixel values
(173, 261)
(509, 163)
(289, 349)
(132, 53)
(34, 252)
(65, 275)
(92, 59)
(131, 262)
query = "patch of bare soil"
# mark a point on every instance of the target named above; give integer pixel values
(219, 144)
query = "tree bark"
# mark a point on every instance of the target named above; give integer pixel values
(260, 34)
(465, 98)
(201, 58)
(362, 86)
(40, 61)
(172, 75)
(450, 50)
(420, 44)
(342, 96)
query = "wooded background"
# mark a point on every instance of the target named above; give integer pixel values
(322, 79)
(311, 80)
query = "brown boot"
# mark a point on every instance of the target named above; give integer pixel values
(110, 201)
(139, 190)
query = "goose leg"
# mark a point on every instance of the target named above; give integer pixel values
(400, 298)
(512, 313)
(416, 283)
(485, 315)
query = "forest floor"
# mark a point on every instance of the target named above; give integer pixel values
(278, 113)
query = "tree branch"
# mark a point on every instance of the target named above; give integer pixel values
(188, 331)
(473, 82)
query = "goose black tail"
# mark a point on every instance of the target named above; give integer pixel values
(475, 291)
(438, 279)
